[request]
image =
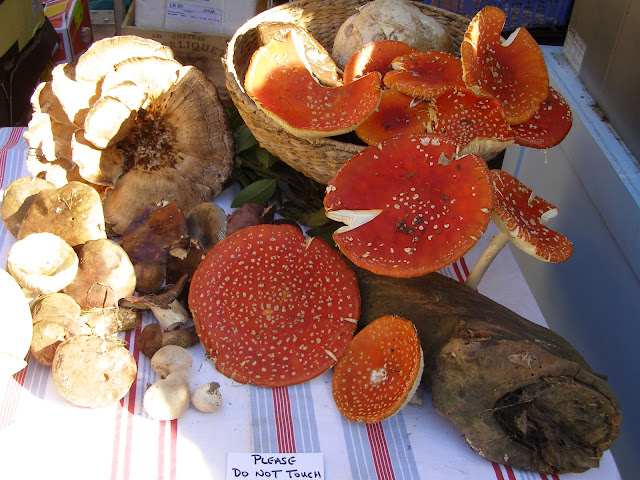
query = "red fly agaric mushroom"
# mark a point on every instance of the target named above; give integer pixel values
(476, 123)
(397, 114)
(409, 204)
(520, 215)
(280, 84)
(514, 72)
(375, 57)
(379, 372)
(272, 307)
(549, 125)
(424, 75)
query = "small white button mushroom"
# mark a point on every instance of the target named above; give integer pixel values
(207, 398)
(171, 359)
(168, 398)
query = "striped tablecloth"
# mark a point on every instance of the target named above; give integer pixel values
(43, 436)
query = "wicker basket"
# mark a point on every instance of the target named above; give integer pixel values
(318, 159)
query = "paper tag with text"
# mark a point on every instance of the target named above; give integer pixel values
(281, 466)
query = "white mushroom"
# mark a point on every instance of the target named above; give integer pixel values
(171, 359)
(207, 398)
(168, 398)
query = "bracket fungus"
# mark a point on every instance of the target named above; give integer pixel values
(410, 205)
(154, 131)
(282, 86)
(520, 216)
(513, 71)
(425, 74)
(272, 307)
(379, 372)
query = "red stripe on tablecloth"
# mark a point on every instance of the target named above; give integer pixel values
(465, 269)
(12, 396)
(380, 452)
(12, 141)
(498, 472)
(510, 474)
(172, 427)
(543, 476)
(459, 274)
(174, 450)
(284, 422)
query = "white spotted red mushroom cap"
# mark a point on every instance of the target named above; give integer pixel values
(519, 213)
(475, 122)
(425, 74)
(548, 126)
(273, 308)
(278, 81)
(409, 206)
(380, 371)
(375, 57)
(514, 72)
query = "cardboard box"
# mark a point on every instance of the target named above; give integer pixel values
(72, 21)
(19, 21)
(203, 51)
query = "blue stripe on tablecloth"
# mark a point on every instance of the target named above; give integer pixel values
(358, 450)
(36, 378)
(305, 427)
(400, 451)
(265, 438)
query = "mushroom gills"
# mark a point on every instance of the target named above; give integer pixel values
(352, 218)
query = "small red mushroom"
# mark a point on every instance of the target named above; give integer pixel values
(476, 123)
(513, 71)
(280, 84)
(425, 75)
(520, 216)
(409, 204)
(272, 307)
(380, 371)
(549, 125)
(375, 57)
(398, 114)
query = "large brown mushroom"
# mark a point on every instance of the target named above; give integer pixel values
(520, 216)
(379, 372)
(281, 85)
(272, 307)
(513, 71)
(410, 205)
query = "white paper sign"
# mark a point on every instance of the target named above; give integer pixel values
(194, 13)
(281, 466)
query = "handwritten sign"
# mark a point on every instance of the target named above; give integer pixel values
(281, 466)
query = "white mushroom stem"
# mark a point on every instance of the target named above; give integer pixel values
(495, 246)
(172, 317)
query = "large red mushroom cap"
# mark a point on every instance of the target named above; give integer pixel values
(519, 213)
(281, 85)
(272, 307)
(514, 72)
(476, 123)
(410, 206)
(380, 371)
(549, 125)
(425, 74)
(375, 57)
(397, 114)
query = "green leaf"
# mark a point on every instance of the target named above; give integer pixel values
(244, 139)
(265, 159)
(315, 218)
(259, 191)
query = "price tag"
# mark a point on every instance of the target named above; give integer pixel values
(194, 13)
(281, 466)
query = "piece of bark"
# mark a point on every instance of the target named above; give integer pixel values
(520, 394)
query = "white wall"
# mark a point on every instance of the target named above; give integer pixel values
(593, 299)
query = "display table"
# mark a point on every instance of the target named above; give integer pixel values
(44, 436)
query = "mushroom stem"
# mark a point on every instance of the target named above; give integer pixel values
(497, 243)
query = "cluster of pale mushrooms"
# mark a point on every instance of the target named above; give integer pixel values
(127, 148)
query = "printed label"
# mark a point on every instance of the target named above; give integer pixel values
(194, 13)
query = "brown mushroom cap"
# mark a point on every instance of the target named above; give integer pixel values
(397, 114)
(375, 57)
(425, 74)
(520, 214)
(280, 84)
(17, 199)
(272, 307)
(475, 122)
(549, 125)
(514, 72)
(73, 212)
(410, 206)
(379, 372)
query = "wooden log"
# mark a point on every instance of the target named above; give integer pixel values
(520, 394)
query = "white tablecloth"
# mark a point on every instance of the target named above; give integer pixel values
(44, 436)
